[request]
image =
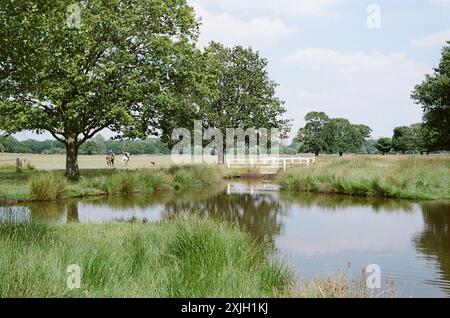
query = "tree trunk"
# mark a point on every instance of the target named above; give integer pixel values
(72, 213)
(316, 153)
(341, 153)
(72, 170)
(221, 156)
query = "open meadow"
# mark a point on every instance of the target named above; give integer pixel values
(58, 162)
(407, 177)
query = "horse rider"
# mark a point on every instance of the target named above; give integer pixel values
(110, 158)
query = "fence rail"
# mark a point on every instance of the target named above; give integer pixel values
(273, 161)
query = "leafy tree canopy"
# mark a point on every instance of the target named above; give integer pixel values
(384, 145)
(405, 138)
(244, 95)
(434, 96)
(331, 135)
(127, 67)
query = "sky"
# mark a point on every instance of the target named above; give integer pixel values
(349, 58)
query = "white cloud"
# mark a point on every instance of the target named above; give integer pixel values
(370, 88)
(434, 39)
(230, 30)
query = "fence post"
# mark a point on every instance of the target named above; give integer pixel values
(19, 164)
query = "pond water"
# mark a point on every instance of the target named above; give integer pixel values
(316, 235)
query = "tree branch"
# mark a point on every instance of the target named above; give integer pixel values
(55, 135)
(89, 135)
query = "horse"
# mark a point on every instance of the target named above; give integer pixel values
(110, 160)
(125, 160)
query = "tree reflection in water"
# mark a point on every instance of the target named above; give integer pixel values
(72, 212)
(338, 202)
(257, 214)
(434, 240)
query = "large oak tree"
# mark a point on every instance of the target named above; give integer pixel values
(434, 96)
(330, 135)
(127, 66)
(242, 94)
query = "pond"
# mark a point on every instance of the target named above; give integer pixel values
(316, 235)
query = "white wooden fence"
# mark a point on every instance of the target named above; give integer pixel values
(272, 161)
(238, 188)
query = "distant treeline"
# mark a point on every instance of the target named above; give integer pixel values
(96, 146)
(322, 134)
(328, 137)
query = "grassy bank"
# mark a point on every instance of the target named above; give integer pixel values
(417, 177)
(177, 258)
(46, 186)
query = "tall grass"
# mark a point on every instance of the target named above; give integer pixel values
(338, 285)
(178, 258)
(47, 186)
(44, 186)
(187, 177)
(194, 176)
(154, 181)
(121, 182)
(394, 177)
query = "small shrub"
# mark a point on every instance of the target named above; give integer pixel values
(47, 186)
(206, 174)
(94, 183)
(194, 176)
(123, 183)
(184, 179)
(151, 181)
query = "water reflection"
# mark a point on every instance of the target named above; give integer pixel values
(339, 202)
(434, 240)
(14, 214)
(72, 212)
(258, 214)
(317, 232)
